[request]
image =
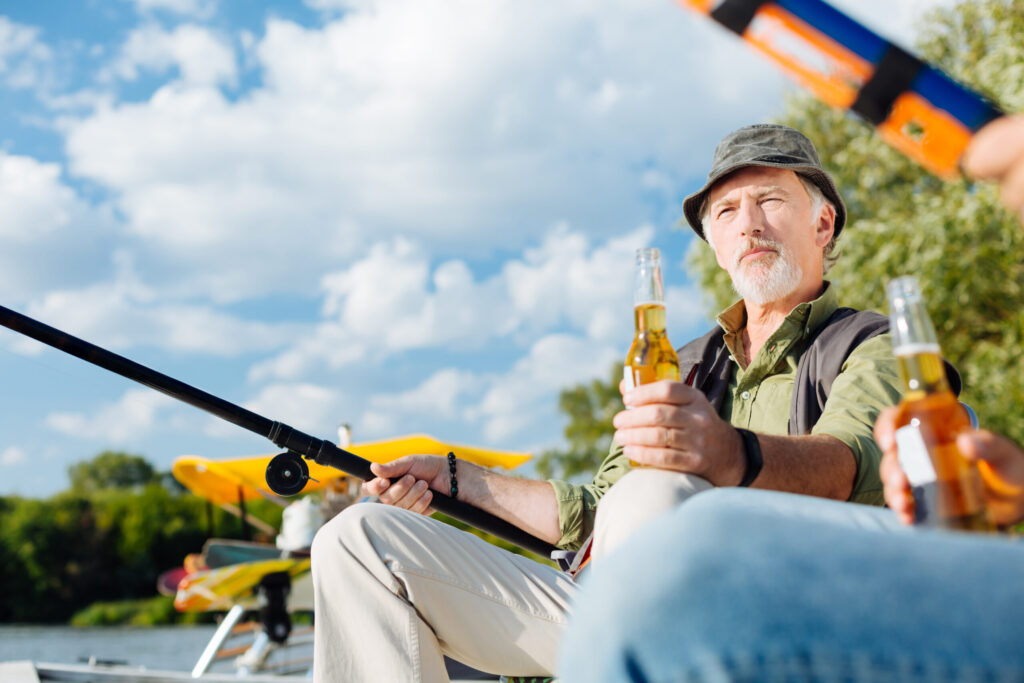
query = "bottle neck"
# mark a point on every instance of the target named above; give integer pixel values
(647, 288)
(922, 370)
(649, 316)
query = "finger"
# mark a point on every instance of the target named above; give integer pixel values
(1011, 188)
(387, 470)
(902, 505)
(896, 488)
(422, 506)
(885, 429)
(653, 415)
(661, 458)
(374, 487)
(1000, 462)
(413, 500)
(665, 391)
(398, 490)
(994, 149)
(655, 437)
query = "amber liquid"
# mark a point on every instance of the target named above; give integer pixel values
(955, 500)
(651, 357)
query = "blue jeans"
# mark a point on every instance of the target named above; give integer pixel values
(744, 585)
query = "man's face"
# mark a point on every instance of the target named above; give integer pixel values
(766, 233)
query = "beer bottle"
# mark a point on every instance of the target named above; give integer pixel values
(651, 356)
(946, 486)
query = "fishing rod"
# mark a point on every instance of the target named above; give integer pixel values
(287, 472)
(914, 106)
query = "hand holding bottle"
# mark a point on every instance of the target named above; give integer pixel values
(946, 486)
(1000, 463)
(671, 426)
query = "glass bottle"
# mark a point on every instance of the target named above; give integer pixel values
(651, 356)
(946, 486)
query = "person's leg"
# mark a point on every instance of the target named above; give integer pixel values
(396, 590)
(638, 497)
(752, 585)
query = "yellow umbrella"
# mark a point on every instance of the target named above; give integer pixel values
(232, 480)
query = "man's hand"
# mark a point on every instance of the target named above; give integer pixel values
(419, 474)
(1001, 464)
(672, 426)
(1000, 461)
(895, 485)
(997, 153)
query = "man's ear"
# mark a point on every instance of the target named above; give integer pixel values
(826, 226)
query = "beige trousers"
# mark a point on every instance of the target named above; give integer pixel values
(395, 591)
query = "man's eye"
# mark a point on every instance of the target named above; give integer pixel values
(724, 212)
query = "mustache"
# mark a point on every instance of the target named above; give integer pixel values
(752, 243)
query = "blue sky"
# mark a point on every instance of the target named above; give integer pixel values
(412, 216)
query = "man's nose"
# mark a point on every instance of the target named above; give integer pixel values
(750, 218)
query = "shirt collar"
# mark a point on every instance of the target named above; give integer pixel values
(806, 317)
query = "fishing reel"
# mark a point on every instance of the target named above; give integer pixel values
(287, 473)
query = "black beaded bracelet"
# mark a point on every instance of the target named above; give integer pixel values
(752, 454)
(455, 482)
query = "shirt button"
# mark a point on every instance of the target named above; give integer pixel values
(745, 395)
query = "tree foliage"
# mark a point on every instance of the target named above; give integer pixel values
(92, 544)
(110, 469)
(590, 408)
(967, 251)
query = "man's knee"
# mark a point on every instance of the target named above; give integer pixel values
(640, 496)
(350, 532)
(652, 488)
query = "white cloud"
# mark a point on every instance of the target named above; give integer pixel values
(12, 455)
(201, 56)
(439, 396)
(24, 60)
(119, 317)
(304, 406)
(51, 236)
(464, 126)
(527, 395)
(132, 417)
(391, 302)
(33, 200)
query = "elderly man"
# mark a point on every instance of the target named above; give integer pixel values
(784, 395)
(755, 587)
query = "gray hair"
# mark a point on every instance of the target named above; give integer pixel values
(830, 254)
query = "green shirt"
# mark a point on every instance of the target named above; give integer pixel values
(760, 393)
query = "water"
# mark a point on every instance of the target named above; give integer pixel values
(174, 648)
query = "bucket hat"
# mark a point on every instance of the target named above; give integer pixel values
(771, 145)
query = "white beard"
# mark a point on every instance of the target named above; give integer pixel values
(768, 278)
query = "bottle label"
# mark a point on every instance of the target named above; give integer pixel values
(913, 456)
(917, 465)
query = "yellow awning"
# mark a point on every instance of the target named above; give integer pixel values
(223, 481)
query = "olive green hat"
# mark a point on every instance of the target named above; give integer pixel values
(769, 145)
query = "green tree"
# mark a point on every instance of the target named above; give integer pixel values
(954, 236)
(110, 469)
(590, 408)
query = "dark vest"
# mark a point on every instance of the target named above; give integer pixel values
(706, 360)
